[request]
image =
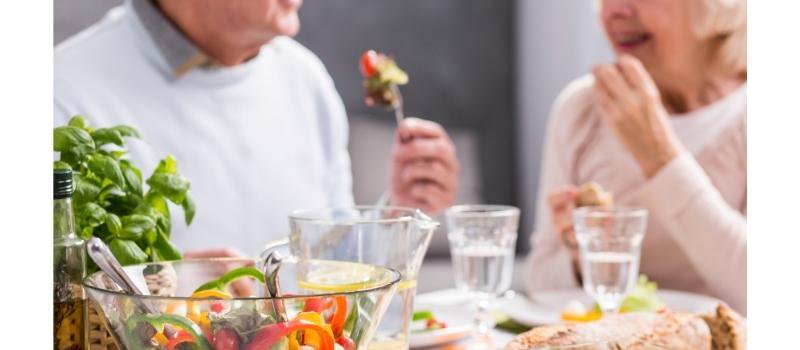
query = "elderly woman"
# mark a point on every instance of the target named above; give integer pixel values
(664, 127)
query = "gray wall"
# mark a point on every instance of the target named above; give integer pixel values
(557, 41)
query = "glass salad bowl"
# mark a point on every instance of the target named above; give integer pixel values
(224, 304)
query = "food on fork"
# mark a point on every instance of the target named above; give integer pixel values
(592, 194)
(381, 78)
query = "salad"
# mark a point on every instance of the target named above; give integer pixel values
(324, 323)
(381, 78)
(643, 298)
(425, 321)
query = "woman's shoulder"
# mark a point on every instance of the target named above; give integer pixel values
(572, 110)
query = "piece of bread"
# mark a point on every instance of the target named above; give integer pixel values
(728, 329)
(591, 194)
(634, 331)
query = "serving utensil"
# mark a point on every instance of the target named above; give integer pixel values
(272, 266)
(102, 257)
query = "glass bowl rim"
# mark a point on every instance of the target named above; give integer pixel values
(396, 276)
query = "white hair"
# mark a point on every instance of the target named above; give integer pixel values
(726, 22)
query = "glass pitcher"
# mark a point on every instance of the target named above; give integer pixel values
(393, 237)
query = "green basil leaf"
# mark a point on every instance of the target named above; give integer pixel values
(66, 138)
(118, 154)
(114, 224)
(150, 237)
(109, 190)
(127, 252)
(173, 186)
(93, 215)
(87, 232)
(168, 165)
(127, 131)
(85, 190)
(165, 249)
(188, 208)
(79, 122)
(105, 136)
(132, 176)
(59, 165)
(156, 201)
(107, 167)
(133, 226)
(164, 223)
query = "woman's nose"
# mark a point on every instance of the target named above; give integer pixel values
(616, 8)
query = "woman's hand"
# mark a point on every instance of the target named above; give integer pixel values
(424, 170)
(629, 102)
(562, 203)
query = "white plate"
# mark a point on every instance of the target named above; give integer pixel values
(458, 317)
(545, 307)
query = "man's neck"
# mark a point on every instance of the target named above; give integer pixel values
(212, 34)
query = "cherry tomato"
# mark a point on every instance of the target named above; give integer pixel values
(368, 63)
(217, 307)
(226, 339)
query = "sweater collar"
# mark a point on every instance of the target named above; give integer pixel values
(180, 54)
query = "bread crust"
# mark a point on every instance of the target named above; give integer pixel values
(636, 331)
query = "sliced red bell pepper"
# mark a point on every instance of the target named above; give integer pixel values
(274, 333)
(317, 304)
(346, 343)
(339, 316)
(181, 337)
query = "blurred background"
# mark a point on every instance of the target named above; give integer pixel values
(486, 70)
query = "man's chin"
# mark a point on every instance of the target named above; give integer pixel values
(288, 26)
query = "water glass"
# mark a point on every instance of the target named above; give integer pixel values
(482, 241)
(609, 241)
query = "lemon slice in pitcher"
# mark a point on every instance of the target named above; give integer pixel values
(341, 277)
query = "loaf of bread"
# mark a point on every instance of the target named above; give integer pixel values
(728, 329)
(591, 194)
(634, 331)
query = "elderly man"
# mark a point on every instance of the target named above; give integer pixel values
(251, 115)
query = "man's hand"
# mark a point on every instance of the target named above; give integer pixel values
(240, 287)
(424, 171)
(630, 103)
(213, 253)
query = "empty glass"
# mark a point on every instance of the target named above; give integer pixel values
(609, 241)
(482, 241)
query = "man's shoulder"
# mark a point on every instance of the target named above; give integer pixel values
(292, 51)
(101, 42)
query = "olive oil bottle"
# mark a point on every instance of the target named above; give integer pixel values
(69, 268)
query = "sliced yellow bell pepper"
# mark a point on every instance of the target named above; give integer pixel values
(311, 338)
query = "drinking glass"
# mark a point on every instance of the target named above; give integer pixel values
(609, 241)
(482, 240)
